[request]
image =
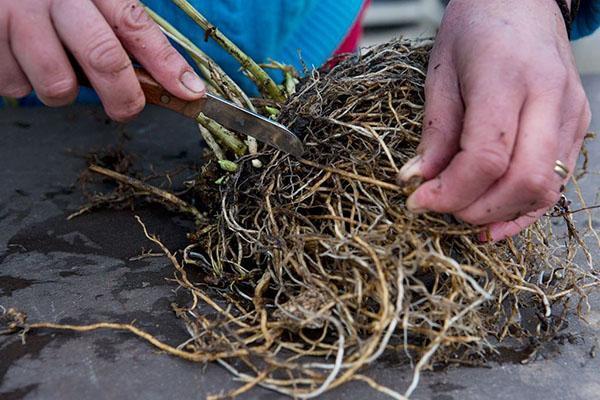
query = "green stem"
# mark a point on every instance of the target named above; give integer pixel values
(144, 187)
(211, 143)
(211, 70)
(264, 82)
(222, 134)
(223, 82)
(216, 76)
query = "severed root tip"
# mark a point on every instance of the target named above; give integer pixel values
(167, 197)
(12, 320)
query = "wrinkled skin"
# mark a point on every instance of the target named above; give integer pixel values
(36, 34)
(503, 102)
(503, 97)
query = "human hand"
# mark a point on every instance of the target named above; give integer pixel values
(35, 34)
(504, 101)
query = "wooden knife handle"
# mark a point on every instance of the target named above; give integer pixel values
(154, 92)
(158, 95)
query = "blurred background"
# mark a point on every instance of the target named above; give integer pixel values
(420, 18)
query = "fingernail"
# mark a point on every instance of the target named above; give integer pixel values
(413, 206)
(193, 82)
(411, 169)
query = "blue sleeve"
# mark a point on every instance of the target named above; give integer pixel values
(588, 19)
(256, 26)
(268, 29)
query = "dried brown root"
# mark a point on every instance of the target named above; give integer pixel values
(147, 189)
(323, 258)
(16, 322)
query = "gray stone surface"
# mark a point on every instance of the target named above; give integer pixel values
(80, 271)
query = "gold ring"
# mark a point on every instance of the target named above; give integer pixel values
(561, 169)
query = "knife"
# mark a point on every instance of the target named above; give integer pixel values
(230, 115)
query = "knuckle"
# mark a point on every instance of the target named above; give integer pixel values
(58, 89)
(548, 79)
(556, 71)
(166, 54)
(561, 74)
(582, 101)
(580, 96)
(538, 185)
(105, 54)
(492, 161)
(131, 17)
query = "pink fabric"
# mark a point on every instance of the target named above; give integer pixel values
(352, 40)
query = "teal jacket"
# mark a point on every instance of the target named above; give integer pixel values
(288, 30)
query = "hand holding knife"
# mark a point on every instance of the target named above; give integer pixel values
(227, 114)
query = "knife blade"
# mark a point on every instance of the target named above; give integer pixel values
(228, 114)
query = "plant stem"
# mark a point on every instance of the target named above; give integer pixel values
(211, 143)
(216, 76)
(224, 83)
(228, 166)
(222, 134)
(264, 82)
(211, 70)
(142, 186)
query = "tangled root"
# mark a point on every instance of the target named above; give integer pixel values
(319, 257)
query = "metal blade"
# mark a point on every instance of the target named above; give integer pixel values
(246, 122)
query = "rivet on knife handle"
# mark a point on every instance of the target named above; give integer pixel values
(158, 95)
